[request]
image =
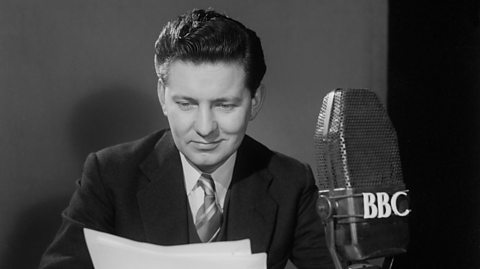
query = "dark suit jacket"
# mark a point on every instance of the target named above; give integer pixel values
(136, 190)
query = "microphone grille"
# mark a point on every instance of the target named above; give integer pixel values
(355, 142)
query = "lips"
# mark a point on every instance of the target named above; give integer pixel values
(205, 146)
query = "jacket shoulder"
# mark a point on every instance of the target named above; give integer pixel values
(278, 164)
(132, 152)
(290, 171)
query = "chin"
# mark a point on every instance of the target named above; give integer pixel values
(200, 160)
(206, 165)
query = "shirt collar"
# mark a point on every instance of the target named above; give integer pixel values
(222, 176)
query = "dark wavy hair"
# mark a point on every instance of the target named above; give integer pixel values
(203, 36)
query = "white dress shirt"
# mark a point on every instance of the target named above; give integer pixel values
(221, 177)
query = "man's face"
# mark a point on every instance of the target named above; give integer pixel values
(208, 108)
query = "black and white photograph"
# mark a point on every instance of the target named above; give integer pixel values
(307, 134)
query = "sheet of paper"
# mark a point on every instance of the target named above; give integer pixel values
(112, 252)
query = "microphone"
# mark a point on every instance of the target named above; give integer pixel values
(362, 201)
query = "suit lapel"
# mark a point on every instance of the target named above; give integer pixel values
(163, 201)
(251, 210)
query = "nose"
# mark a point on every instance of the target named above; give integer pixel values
(205, 124)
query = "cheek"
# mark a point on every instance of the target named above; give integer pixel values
(234, 123)
(179, 123)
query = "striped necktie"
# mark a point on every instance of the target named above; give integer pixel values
(209, 217)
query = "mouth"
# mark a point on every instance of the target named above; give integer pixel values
(205, 146)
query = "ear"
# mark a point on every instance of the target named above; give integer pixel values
(161, 96)
(257, 101)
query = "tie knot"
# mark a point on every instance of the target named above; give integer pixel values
(206, 182)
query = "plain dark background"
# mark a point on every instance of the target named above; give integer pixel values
(433, 100)
(78, 76)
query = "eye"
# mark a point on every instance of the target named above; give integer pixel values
(184, 105)
(226, 106)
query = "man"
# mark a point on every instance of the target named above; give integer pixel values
(203, 180)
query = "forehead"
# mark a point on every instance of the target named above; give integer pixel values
(207, 77)
(180, 67)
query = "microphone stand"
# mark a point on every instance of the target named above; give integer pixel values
(330, 240)
(326, 215)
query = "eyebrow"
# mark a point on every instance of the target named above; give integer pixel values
(176, 97)
(216, 100)
(225, 99)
